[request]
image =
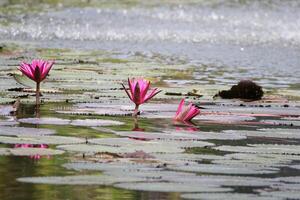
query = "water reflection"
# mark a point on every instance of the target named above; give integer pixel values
(36, 156)
(136, 125)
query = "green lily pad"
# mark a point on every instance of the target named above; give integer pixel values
(262, 149)
(224, 169)
(79, 180)
(35, 151)
(268, 133)
(288, 194)
(40, 140)
(147, 148)
(228, 181)
(52, 121)
(222, 195)
(6, 110)
(8, 123)
(170, 187)
(120, 142)
(23, 131)
(4, 151)
(95, 122)
(179, 135)
(283, 122)
(123, 165)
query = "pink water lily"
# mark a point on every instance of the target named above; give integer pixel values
(186, 113)
(139, 92)
(36, 71)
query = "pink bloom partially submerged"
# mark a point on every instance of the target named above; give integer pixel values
(37, 70)
(186, 113)
(139, 91)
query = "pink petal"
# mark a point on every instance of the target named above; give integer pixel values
(180, 106)
(128, 94)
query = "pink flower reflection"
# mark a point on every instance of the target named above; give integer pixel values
(37, 156)
(190, 129)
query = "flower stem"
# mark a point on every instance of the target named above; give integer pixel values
(37, 103)
(136, 110)
(37, 95)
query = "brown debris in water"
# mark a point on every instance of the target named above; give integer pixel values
(245, 89)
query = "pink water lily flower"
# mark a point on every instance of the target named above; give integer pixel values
(36, 71)
(186, 113)
(140, 92)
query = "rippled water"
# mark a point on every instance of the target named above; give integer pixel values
(263, 36)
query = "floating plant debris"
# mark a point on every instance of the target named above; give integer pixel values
(245, 89)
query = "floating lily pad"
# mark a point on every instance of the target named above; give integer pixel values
(170, 187)
(263, 160)
(295, 166)
(7, 110)
(177, 157)
(18, 131)
(221, 195)
(271, 133)
(283, 122)
(116, 142)
(8, 123)
(179, 135)
(147, 148)
(34, 151)
(224, 118)
(262, 149)
(224, 169)
(228, 180)
(260, 111)
(4, 151)
(95, 122)
(97, 111)
(157, 135)
(119, 142)
(288, 194)
(289, 179)
(79, 180)
(52, 121)
(40, 140)
(120, 165)
(150, 107)
(78, 122)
